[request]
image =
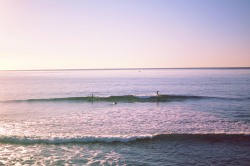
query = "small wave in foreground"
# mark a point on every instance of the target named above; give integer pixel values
(125, 139)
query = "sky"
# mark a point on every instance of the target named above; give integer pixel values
(87, 34)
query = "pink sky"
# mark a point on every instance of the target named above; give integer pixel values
(60, 34)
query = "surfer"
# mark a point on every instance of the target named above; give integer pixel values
(92, 98)
(157, 93)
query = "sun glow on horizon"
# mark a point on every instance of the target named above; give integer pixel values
(124, 34)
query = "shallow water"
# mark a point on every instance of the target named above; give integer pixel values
(200, 118)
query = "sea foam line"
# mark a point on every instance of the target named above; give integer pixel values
(210, 137)
(65, 140)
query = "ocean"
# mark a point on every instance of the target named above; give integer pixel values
(116, 117)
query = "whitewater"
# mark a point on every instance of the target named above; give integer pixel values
(116, 117)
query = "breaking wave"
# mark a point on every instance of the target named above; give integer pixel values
(125, 98)
(125, 139)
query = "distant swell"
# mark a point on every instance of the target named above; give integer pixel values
(126, 98)
(125, 139)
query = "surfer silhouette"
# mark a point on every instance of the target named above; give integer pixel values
(92, 98)
(157, 93)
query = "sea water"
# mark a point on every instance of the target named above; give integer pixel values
(115, 117)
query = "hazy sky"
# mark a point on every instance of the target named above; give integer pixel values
(73, 34)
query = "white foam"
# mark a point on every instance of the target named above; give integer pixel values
(63, 140)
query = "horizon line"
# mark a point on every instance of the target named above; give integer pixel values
(126, 68)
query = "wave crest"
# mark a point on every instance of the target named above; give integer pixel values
(65, 140)
(125, 139)
(125, 98)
